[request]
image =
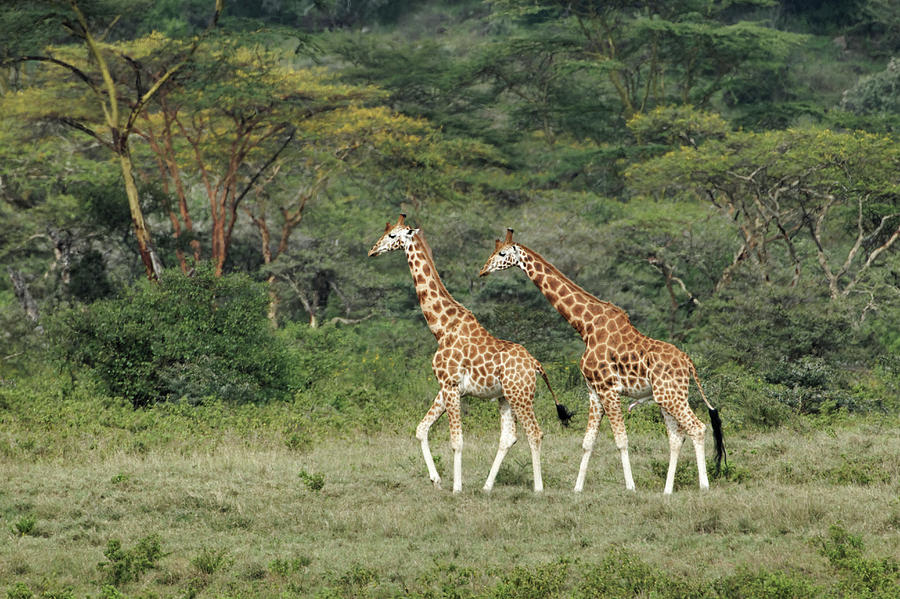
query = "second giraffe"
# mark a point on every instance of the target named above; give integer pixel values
(468, 361)
(619, 360)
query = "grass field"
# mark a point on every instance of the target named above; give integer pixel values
(162, 508)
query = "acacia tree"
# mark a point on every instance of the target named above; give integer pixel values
(658, 52)
(110, 93)
(817, 197)
(234, 121)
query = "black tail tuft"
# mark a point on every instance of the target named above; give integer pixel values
(716, 422)
(564, 415)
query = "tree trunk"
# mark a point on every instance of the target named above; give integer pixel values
(23, 295)
(151, 261)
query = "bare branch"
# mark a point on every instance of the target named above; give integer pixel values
(61, 63)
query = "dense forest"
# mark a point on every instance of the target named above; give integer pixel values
(724, 171)
(208, 389)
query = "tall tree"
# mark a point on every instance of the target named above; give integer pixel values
(806, 197)
(115, 94)
(656, 52)
(230, 122)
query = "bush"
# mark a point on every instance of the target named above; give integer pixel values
(803, 349)
(192, 337)
(128, 565)
(861, 576)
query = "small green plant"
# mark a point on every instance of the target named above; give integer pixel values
(767, 584)
(286, 567)
(861, 576)
(19, 591)
(297, 441)
(314, 482)
(24, 525)
(532, 583)
(120, 478)
(356, 579)
(128, 565)
(209, 561)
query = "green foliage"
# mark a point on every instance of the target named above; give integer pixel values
(19, 591)
(185, 337)
(210, 560)
(799, 348)
(677, 126)
(314, 482)
(749, 584)
(24, 525)
(623, 574)
(861, 576)
(875, 94)
(545, 580)
(288, 566)
(129, 565)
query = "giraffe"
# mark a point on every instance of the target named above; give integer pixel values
(469, 361)
(618, 359)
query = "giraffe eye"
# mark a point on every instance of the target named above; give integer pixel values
(502, 254)
(392, 235)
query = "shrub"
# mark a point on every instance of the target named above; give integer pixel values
(128, 565)
(192, 337)
(623, 574)
(209, 560)
(860, 576)
(772, 585)
(540, 581)
(314, 482)
(793, 345)
(19, 591)
(24, 525)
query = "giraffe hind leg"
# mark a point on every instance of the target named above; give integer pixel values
(525, 413)
(676, 439)
(507, 440)
(687, 424)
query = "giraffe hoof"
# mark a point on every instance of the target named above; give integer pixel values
(437, 483)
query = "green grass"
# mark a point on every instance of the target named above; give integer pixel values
(239, 510)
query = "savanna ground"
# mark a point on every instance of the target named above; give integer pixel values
(98, 499)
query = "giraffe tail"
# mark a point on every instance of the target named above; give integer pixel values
(716, 421)
(562, 412)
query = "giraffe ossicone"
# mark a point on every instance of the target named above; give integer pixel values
(468, 361)
(619, 360)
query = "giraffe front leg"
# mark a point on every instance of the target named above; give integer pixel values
(507, 440)
(451, 397)
(437, 408)
(609, 400)
(590, 436)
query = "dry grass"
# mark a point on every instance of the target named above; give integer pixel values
(237, 519)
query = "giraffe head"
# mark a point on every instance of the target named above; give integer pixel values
(395, 237)
(506, 254)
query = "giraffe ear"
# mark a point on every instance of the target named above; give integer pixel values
(413, 232)
(387, 227)
(497, 244)
(509, 234)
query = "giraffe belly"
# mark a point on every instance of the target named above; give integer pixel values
(639, 390)
(489, 388)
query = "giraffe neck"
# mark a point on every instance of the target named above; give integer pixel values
(569, 299)
(441, 311)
